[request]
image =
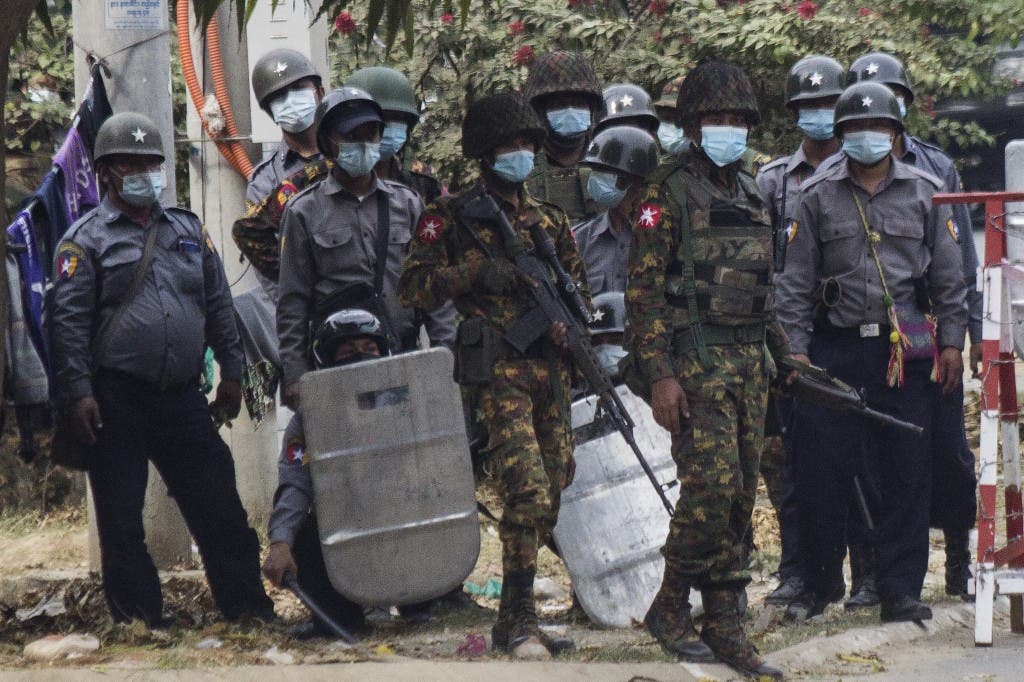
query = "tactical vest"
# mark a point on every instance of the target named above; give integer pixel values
(721, 274)
(563, 187)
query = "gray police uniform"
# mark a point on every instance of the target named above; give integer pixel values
(147, 388)
(265, 178)
(605, 253)
(780, 183)
(829, 250)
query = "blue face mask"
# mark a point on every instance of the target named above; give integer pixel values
(903, 107)
(393, 139)
(817, 123)
(515, 166)
(601, 188)
(569, 121)
(672, 138)
(294, 111)
(358, 158)
(143, 189)
(723, 144)
(867, 146)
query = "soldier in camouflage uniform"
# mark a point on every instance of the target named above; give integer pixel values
(522, 397)
(564, 91)
(394, 93)
(699, 303)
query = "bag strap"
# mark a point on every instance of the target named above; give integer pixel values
(873, 238)
(381, 266)
(105, 334)
(678, 193)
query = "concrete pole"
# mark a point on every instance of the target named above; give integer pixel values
(135, 45)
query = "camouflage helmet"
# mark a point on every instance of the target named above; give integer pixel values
(882, 68)
(496, 119)
(562, 72)
(666, 104)
(354, 105)
(609, 313)
(345, 325)
(390, 88)
(278, 69)
(624, 149)
(717, 86)
(867, 100)
(128, 133)
(627, 104)
(814, 77)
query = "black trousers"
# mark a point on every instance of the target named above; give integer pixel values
(894, 469)
(788, 509)
(954, 482)
(313, 578)
(171, 428)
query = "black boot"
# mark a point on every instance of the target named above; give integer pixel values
(668, 621)
(517, 630)
(904, 608)
(724, 636)
(788, 590)
(958, 562)
(864, 592)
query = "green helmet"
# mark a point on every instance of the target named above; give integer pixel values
(351, 105)
(624, 149)
(882, 68)
(562, 72)
(669, 96)
(278, 69)
(867, 100)
(814, 77)
(390, 88)
(495, 120)
(128, 133)
(627, 104)
(717, 86)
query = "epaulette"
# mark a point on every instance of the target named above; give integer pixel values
(819, 175)
(775, 163)
(260, 166)
(914, 170)
(929, 145)
(69, 234)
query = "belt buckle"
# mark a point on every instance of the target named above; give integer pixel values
(869, 331)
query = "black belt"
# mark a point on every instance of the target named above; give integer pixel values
(154, 386)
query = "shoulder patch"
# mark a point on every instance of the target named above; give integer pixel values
(70, 248)
(648, 216)
(791, 230)
(429, 228)
(285, 191)
(295, 453)
(954, 231)
(68, 255)
(208, 241)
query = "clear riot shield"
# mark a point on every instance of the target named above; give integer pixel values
(395, 497)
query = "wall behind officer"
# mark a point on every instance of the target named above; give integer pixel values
(138, 399)
(870, 195)
(524, 398)
(566, 94)
(619, 159)
(954, 501)
(699, 304)
(812, 87)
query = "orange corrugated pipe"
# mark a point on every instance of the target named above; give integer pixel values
(232, 151)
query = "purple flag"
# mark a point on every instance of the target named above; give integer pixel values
(80, 192)
(30, 264)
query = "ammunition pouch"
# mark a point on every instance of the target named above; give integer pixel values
(476, 351)
(718, 335)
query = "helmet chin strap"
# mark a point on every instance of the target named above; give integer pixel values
(563, 145)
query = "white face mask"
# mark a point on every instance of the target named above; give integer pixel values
(294, 111)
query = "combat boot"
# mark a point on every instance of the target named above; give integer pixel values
(499, 631)
(519, 633)
(724, 636)
(958, 562)
(668, 621)
(864, 588)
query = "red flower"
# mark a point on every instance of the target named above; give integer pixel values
(925, 31)
(807, 9)
(658, 8)
(865, 11)
(447, 19)
(523, 56)
(344, 23)
(928, 105)
(516, 28)
(686, 39)
(657, 36)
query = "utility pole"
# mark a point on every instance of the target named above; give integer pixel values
(132, 40)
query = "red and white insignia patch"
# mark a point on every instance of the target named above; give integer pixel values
(295, 453)
(285, 192)
(429, 228)
(66, 264)
(649, 216)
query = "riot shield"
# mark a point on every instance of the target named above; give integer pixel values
(395, 497)
(612, 524)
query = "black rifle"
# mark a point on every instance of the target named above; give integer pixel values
(815, 385)
(562, 303)
(292, 583)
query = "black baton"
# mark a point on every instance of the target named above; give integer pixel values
(341, 633)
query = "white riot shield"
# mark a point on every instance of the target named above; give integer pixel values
(612, 523)
(395, 497)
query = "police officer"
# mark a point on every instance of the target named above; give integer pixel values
(393, 92)
(139, 293)
(523, 396)
(812, 88)
(619, 159)
(564, 91)
(868, 248)
(627, 104)
(345, 337)
(699, 320)
(954, 502)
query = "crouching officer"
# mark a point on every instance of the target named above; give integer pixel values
(699, 305)
(348, 336)
(523, 396)
(140, 292)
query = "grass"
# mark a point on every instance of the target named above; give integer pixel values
(19, 523)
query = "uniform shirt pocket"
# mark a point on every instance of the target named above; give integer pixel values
(186, 255)
(906, 226)
(117, 269)
(334, 252)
